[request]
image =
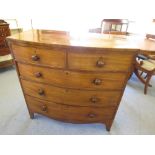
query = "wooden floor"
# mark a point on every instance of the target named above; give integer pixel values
(136, 114)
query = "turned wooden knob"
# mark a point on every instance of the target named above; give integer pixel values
(37, 74)
(35, 58)
(94, 99)
(41, 92)
(100, 63)
(97, 81)
(44, 108)
(91, 115)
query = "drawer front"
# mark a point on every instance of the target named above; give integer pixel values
(70, 96)
(70, 113)
(54, 57)
(70, 79)
(103, 61)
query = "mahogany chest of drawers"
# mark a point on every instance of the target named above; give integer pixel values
(72, 80)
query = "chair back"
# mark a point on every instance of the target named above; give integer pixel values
(114, 26)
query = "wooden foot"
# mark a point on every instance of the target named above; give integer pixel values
(31, 115)
(108, 125)
(108, 128)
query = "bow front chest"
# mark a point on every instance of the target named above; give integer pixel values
(72, 79)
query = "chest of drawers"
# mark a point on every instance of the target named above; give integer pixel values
(77, 84)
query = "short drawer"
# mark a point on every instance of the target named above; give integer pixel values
(54, 57)
(71, 79)
(70, 113)
(100, 61)
(71, 96)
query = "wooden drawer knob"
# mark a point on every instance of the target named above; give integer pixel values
(41, 92)
(94, 99)
(37, 74)
(44, 108)
(91, 115)
(97, 81)
(100, 63)
(35, 58)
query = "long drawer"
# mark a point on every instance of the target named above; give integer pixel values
(70, 96)
(70, 113)
(70, 79)
(54, 57)
(81, 59)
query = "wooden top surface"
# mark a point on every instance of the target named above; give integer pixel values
(63, 38)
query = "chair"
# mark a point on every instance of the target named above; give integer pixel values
(114, 26)
(145, 65)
